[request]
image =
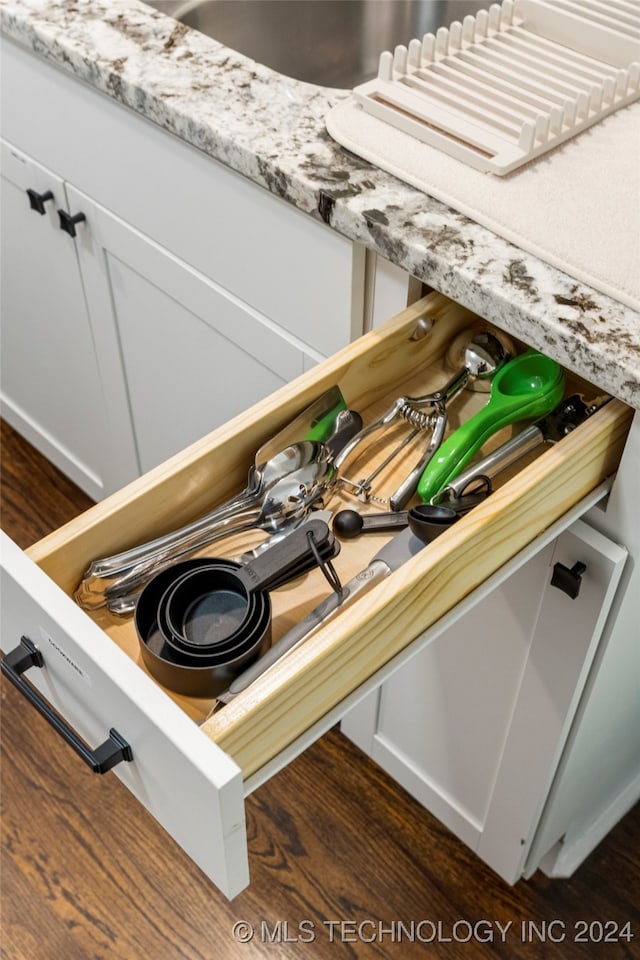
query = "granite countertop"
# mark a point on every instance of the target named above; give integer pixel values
(271, 129)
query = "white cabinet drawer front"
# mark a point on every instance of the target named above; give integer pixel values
(180, 776)
(563, 644)
(305, 687)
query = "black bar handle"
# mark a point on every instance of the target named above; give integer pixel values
(68, 223)
(100, 760)
(38, 200)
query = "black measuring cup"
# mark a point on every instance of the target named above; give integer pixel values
(215, 604)
(181, 672)
(202, 621)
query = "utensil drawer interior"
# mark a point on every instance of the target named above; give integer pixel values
(405, 356)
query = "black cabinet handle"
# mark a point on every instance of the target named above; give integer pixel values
(568, 580)
(104, 757)
(38, 200)
(68, 223)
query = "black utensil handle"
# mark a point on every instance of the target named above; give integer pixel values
(327, 550)
(100, 760)
(286, 559)
(349, 524)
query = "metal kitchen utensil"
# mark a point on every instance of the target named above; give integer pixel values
(484, 354)
(526, 387)
(362, 487)
(569, 414)
(291, 482)
(124, 605)
(347, 423)
(326, 418)
(318, 421)
(390, 558)
(349, 524)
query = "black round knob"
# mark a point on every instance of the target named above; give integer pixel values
(68, 223)
(347, 524)
(38, 200)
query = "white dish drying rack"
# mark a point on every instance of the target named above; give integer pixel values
(511, 83)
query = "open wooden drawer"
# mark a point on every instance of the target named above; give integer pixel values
(192, 776)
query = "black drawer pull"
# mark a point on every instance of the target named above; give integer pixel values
(568, 580)
(38, 200)
(68, 223)
(104, 757)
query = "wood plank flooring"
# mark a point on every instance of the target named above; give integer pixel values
(87, 875)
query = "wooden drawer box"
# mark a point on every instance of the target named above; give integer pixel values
(192, 776)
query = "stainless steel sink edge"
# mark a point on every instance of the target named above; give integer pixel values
(334, 44)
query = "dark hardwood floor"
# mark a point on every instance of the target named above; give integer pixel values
(88, 875)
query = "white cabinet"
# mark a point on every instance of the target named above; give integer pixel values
(179, 354)
(116, 354)
(388, 289)
(183, 779)
(204, 293)
(519, 726)
(598, 779)
(51, 385)
(475, 724)
(200, 293)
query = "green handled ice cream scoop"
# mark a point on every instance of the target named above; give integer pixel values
(527, 387)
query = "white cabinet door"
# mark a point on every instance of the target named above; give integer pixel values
(583, 807)
(180, 355)
(51, 388)
(474, 725)
(281, 261)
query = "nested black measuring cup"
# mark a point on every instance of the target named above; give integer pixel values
(185, 673)
(203, 621)
(214, 605)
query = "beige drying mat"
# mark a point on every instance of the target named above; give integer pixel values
(577, 207)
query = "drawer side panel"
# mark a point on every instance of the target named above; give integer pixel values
(301, 688)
